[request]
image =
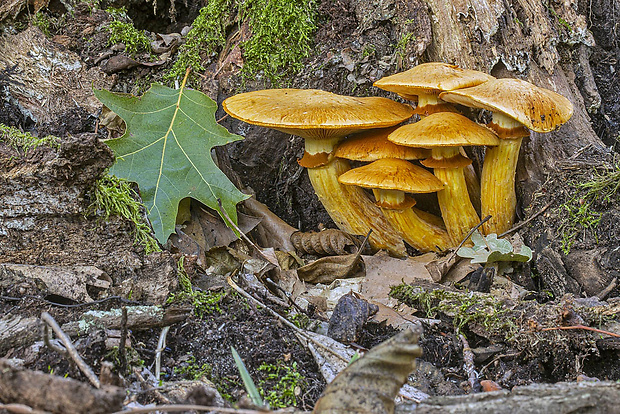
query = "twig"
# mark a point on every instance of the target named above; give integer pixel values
(122, 351)
(524, 222)
(281, 318)
(221, 119)
(173, 408)
(470, 368)
(242, 235)
(70, 350)
(585, 328)
(497, 358)
(20, 409)
(476, 227)
(161, 345)
(603, 293)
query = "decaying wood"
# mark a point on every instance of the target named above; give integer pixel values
(17, 331)
(66, 281)
(560, 398)
(56, 394)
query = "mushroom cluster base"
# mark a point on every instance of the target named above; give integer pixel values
(351, 208)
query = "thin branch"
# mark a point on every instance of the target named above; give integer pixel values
(476, 227)
(282, 319)
(524, 222)
(470, 367)
(585, 328)
(69, 348)
(174, 408)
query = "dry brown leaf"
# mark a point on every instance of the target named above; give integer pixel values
(328, 269)
(384, 271)
(272, 231)
(370, 384)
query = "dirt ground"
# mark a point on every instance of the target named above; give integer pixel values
(200, 344)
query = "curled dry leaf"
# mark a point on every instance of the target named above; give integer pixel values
(370, 384)
(328, 269)
(325, 243)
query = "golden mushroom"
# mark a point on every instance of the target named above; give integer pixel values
(516, 106)
(390, 179)
(445, 133)
(323, 119)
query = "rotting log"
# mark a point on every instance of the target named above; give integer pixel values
(35, 389)
(582, 397)
(17, 331)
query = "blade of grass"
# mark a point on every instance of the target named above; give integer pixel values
(250, 387)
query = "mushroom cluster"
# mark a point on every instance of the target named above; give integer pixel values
(368, 130)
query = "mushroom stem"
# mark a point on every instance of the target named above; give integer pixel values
(351, 209)
(419, 233)
(457, 211)
(498, 196)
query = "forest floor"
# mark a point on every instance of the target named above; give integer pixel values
(520, 333)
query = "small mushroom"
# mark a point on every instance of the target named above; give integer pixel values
(373, 145)
(425, 82)
(323, 119)
(390, 179)
(445, 133)
(516, 106)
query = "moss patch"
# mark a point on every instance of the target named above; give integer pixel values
(281, 37)
(112, 196)
(207, 36)
(24, 141)
(583, 210)
(135, 41)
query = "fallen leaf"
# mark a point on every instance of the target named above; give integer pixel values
(166, 150)
(370, 384)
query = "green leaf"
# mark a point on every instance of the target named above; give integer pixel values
(250, 387)
(500, 245)
(166, 150)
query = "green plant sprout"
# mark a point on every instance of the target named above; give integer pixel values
(490, 249)
(250, 387)
(112, 196)
(190, 369)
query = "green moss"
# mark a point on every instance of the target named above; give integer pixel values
(281, 38)
(281, 385)
(191, 370)
(583, 210)
(42, 21)
(464, 307)
(135, 41)
(206, 37)
(204, 302)
(112, 196)
(24, 141)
